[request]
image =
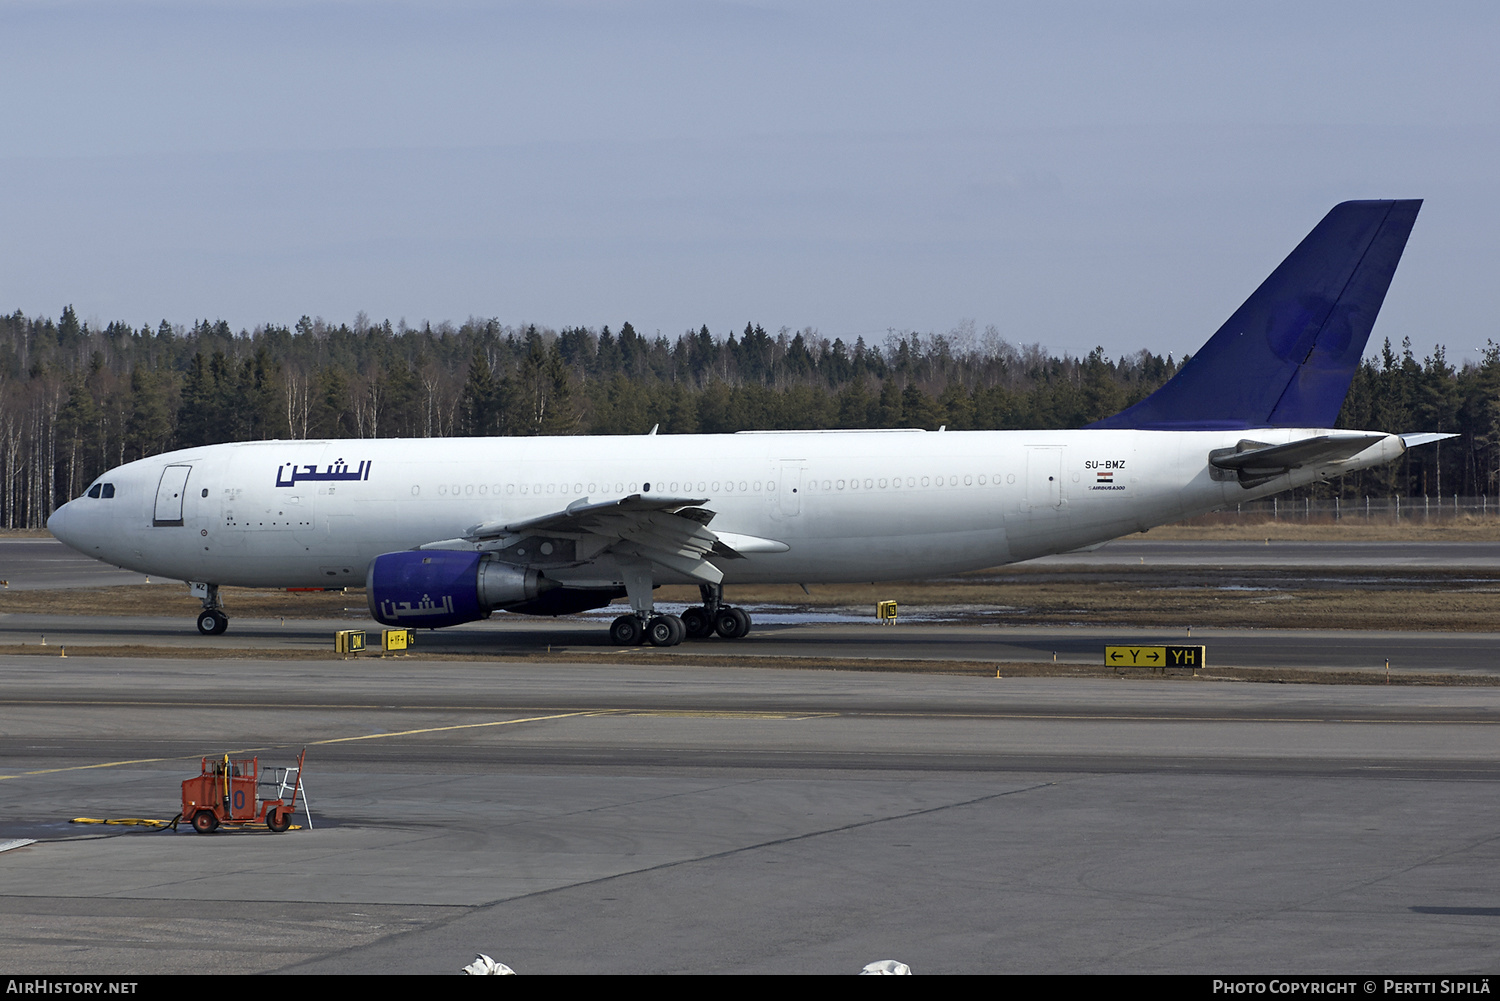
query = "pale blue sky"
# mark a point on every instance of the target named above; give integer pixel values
(1075, 174)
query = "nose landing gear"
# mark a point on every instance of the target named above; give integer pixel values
(212, 621)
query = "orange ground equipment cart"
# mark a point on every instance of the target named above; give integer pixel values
(230, 791)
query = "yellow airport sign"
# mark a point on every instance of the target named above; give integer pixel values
(1154, 656)
(348, 641)
(885, 611)
(396, 639)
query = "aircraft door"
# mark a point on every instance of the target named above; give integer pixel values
(1043, 477)
(169, 494)
(789, 490)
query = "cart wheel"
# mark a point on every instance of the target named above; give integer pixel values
(204, 822)
(277, 821)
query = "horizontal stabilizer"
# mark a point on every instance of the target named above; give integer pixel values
(1256, 457)
(1257, 462)
(1287, 356)
(1424, 438)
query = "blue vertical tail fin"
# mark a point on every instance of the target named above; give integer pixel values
(1286, 357)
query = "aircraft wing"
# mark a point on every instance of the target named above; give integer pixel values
(671, 532)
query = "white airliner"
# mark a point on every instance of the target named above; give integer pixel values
(445, 531)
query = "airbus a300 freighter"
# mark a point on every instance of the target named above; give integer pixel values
(447, 531)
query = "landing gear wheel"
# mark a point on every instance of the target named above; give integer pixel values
(278, 822)
(731, 623)
(665, 630)
(698, 624)
(626, 631)
(204, 822)
(212, 622)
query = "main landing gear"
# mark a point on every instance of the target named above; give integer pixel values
(211, 621)
(696, 623)
(658, 630)
(728, 621)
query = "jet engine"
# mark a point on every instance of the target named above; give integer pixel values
(430, 588)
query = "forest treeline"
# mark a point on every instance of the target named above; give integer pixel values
(76, 399)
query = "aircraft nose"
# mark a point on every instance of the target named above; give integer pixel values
(57, 524)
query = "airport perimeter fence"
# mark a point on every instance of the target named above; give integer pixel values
(1451, 507)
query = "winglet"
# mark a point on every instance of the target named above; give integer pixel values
(1286, 357)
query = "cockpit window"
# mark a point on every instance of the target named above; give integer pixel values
(94, 490)
(109, 490)
(105, 490)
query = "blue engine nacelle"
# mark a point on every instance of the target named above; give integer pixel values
(430, 588)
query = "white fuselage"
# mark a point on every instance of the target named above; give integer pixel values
(848, 506)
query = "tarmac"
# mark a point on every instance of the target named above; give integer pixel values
(596, 812)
